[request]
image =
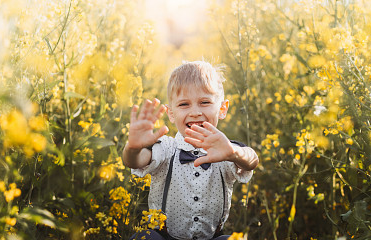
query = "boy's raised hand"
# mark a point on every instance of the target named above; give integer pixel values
(141, 133)
(208, 137)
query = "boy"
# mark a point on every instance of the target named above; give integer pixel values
(194, 194)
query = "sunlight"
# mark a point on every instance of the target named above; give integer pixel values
(176, 20)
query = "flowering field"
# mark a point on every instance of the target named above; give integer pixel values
(298, 80)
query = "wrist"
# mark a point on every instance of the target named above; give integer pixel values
(234, 154)
(132, 148)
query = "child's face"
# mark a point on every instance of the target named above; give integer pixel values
(194, 106)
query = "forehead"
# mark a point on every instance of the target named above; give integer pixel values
(193, 92)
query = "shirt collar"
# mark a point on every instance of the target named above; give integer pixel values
(181, 144)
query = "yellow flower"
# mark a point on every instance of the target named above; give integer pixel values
(300, 142)
(12, 193)
(84, 125)
(308, 89)
(268, 100)
(322, 142)
(289, 98)
(37, 123)
(15, 126)
(95, 129)
(38, 142)
(316, 61)
(292, 213)
(281, 36)
(2, 186)
(278, 96)
(107, 172)
(10, 221)
(349, 141)
(252, 67)
(153, 218)
(236, 236)
(301, 150)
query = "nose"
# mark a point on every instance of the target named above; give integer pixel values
(195, 112)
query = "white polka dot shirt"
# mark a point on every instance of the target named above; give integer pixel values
(194, 206)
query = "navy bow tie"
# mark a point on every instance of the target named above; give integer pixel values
(186, 157)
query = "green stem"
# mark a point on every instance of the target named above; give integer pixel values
(265, 203)
(67, 100)
(303, 168)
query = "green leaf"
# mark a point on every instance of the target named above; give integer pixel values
(40, 216)
(100, 142)
(68, 95)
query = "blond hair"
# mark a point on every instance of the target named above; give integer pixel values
(198, 74)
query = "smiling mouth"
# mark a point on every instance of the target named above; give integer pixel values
(189, 125)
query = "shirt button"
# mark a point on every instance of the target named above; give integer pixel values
(195, 219)
(195, 198)
(195, 153)
(197, 174)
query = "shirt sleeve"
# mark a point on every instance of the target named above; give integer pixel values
(235, 173)
(160, 152)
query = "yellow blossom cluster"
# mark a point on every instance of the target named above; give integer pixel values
(107, 172)
(22, 132)
(94, 129)
(237, 236)
(144, 181)
(154, 218)
(109, 224)
(11, 193)
(312, 196)
(271, 140)
(119, 168)
(119, 208)
(87, 154)
(91, 231)
(305, 142)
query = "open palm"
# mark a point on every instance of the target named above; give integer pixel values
(216, 144)
(141, 132)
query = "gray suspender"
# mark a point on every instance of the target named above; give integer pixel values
(167, 185)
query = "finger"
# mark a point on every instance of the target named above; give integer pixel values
(201, 160)
(205, 132)
(210, 127)
(144, 110)
(161, 132)
(192, 133)
(159, 113)
(194, 142)
(133, 114)
(154, 105)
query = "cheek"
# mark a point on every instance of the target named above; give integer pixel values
(178, 117)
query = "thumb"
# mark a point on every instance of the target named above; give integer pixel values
(161, 132)
(201, 160)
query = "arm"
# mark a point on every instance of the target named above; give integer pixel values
(219, 148)
(244, 157)
(141, 135)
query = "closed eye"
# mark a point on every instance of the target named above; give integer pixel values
(183, 104)
(205, 102)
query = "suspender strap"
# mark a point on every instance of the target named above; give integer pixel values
(224, 213)
(167, 183)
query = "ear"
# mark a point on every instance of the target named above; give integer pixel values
(170, 113)
(223, 109)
